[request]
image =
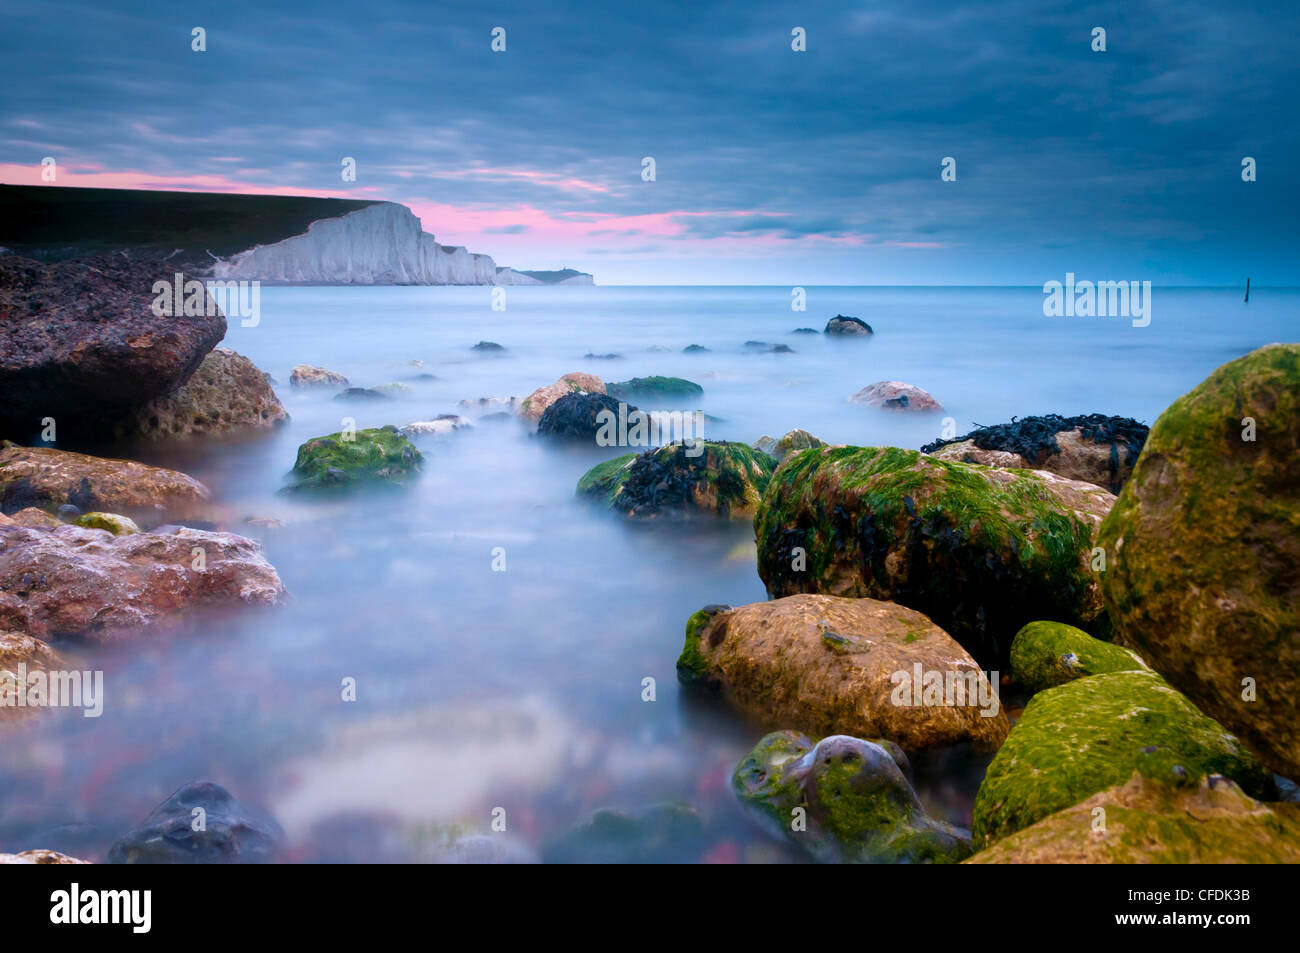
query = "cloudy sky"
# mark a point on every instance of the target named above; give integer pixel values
(772, 166)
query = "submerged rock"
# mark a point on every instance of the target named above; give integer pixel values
(1205, 820)
(723, 478)
(74, 582)
(47, 479)
(981, 551)
(1092, 733)
(654, 388)
(80, 342)
(695, 349)
(1205, 549)
(304, 375)
(232, 834)
(575, 382)
(660, 834)
(857, 804)
(828, 665)
(1047, 654)
(805, 331)
(792, 442)
(1094, 448)
(577, 416)
(343, 461)
(845, 326)
(493, 405)
(362, 393)
(490, 347)
(225, 395)
(440, 426)
(895, 395)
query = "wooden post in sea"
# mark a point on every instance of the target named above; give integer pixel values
(1248, 291)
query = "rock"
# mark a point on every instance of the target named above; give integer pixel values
(33, 518)
(40, 857)
(576, 382)
(805, 331)
(695, 349)
(362, 393)
(1047, 654)
(661, 834)
(847, 327)
(654, 388)
(577, 416)
(491, 405)
(488, 347)
(828, 665)
(895, 395)
(226, 394)
(395, 389)
(1092, 733)
(1093, 448)
(792, 442)
(370, 457)
(233, 833)
(1148, 821)
(602, 357)
(859, 806)
(440, 426)
(1204, 543)
(117, 525)
(47, 479)
(782, 349)
(80, 342)
(18, 649)
(724, 478)
(304, 375)
(70, 581)
(981, 551)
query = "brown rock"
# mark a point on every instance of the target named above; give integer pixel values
(895, 395)
(226, 394)
(535, 404)
(40, 857)
(304, 375)
(827, 665)
(33, 518)
(45, 478)
(1079, 459)
(81, 582)
(15, 649)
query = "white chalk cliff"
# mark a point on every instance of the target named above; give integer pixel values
(381, 244)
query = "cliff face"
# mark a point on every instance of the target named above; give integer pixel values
(381, 244)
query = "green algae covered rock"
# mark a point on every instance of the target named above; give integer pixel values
(981, 551)
(660, 834)
(115, 524)
(377, 456)
(1047, 654)
(1093, 733)
(715, 477)
(1204, 546)
(857, 805)
(1148, 820)
(653, 388)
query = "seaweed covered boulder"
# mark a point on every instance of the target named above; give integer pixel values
(828, 665)
(1150, 820)
(1093, 448)
(792, 442)
(47, 479)
(845, 326)
(232, 833)
(380, 456)
(979, 550)
(1093, 733)
(857, 806)
(896, 395)
(654, 389)
(1204, 544)
(581, 417)
(1047, 654)
(722, 478)
(576, 382)
(109, 522)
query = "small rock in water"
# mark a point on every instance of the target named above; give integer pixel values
(487, 346)
(844, 326)
(362, 393)
(232, 833)
(305, 375)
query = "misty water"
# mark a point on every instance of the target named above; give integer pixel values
(522, 689)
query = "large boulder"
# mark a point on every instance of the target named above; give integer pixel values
(828, 665)
(654, 389)
(45, 478)
(225, 395)
(1093, 448)
(579, 416)
(896, 395)
(1092, 733)
(89, 584)
(981, 551)
(1205, 820)
(844, 326)
(231, 833)
(80, 342)
(1047, 654)
(343, 461)
(722, 478)
(535, 404)
(857, 806)
(1205, 550)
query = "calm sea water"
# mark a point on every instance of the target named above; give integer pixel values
(479, 689)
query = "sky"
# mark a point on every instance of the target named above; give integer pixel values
(772, 166)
